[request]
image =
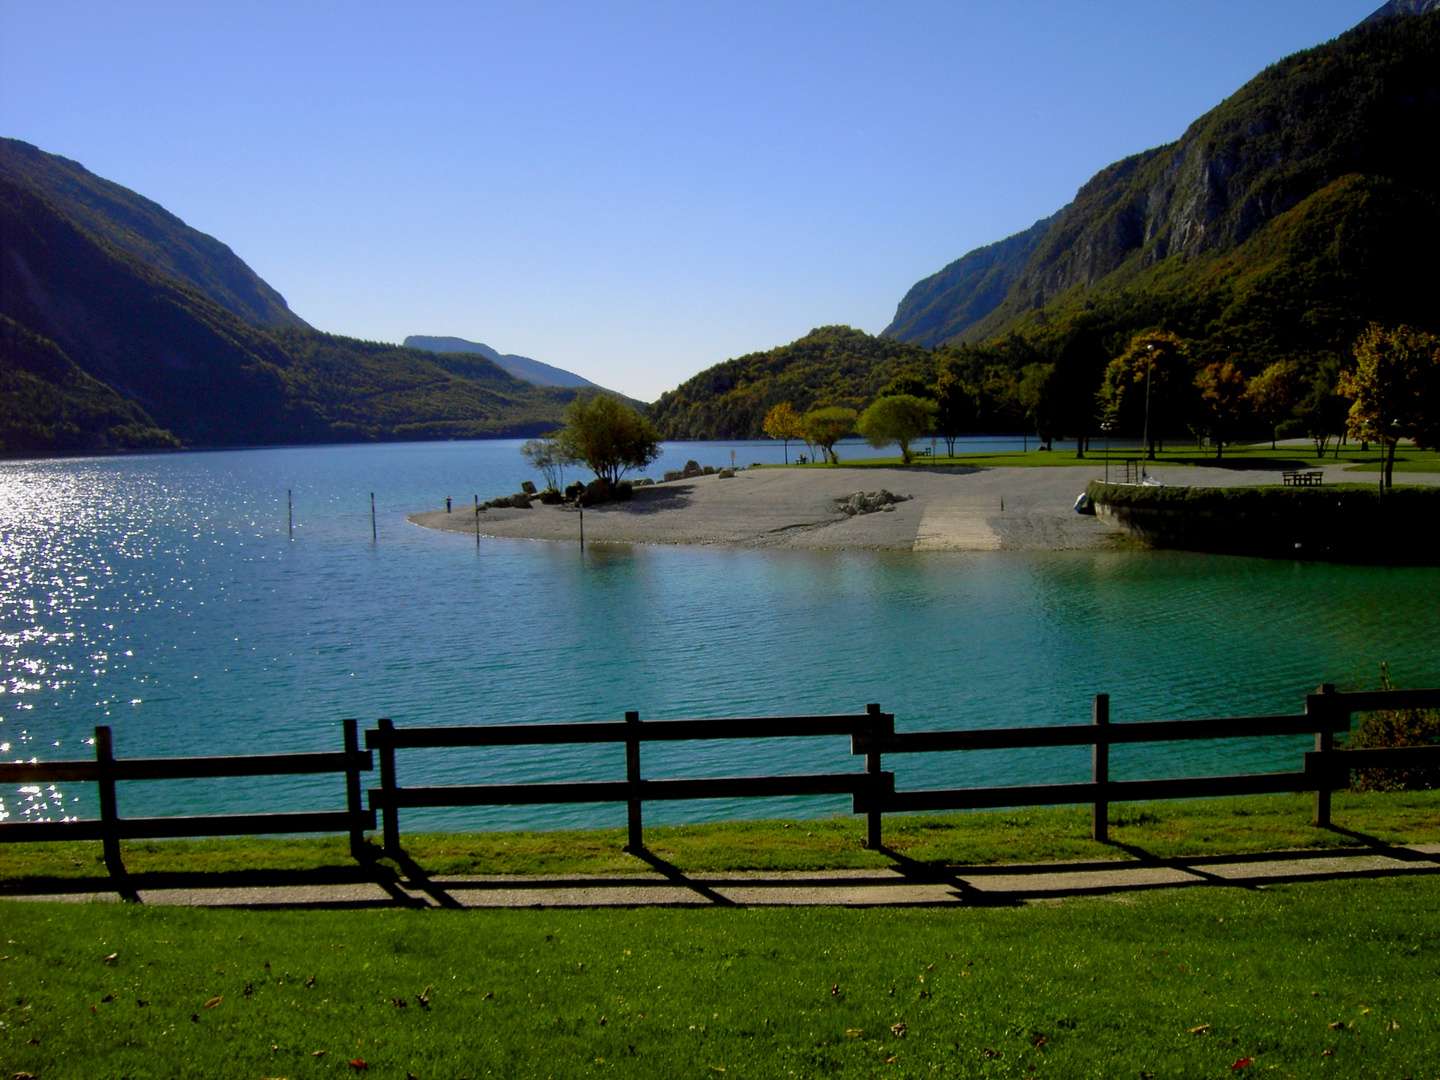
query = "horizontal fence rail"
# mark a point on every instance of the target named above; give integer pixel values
(390, 797)
(1325, 768)
(110, 828)
(873, 792)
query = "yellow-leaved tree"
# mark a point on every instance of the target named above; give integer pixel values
(783, 422)
(1395, 390)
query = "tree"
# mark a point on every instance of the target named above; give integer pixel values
(549, 457)
(1038, 397)
(1395, 385)
(1322, 412)
(608, 436)
(783, 422)
(1145, 387)
(1274, 393)
(825, 427)
(906, 383)
(1222, 400)
(956, 408)
(898, 418)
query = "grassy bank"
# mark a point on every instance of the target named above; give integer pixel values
(1291, 981)
(1162, 829)
(1235, 457)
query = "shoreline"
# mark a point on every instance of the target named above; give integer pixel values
(1006, 508)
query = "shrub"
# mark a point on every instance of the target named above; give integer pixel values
(1395, 728)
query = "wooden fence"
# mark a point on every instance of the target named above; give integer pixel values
(1324, 769)
(873, 735)
(110, 828)
(873, 792)
(390, 797)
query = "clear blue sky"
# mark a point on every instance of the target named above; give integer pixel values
(630, 191)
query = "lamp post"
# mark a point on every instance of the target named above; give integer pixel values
(1105, 427)
(1149, 378)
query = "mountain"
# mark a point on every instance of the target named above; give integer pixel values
(831, 365)
(1403, 7)
(171, 349)
(145, 230)
(1361, 112)
(1276, 228)
(944, 305)
(48, 405)
(522, 367)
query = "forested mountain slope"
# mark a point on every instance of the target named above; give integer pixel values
(165, 361)
(831, 365)
(146, 230)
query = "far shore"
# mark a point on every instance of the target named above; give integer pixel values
(948, 509)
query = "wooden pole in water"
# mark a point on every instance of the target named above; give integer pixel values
(582, 528)
(372, 517)
(477, 523)
(289, 515)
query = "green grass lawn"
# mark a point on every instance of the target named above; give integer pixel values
(1175, 454)
(1170, 983)
(1163, 829)
(1404, 463)
(1314, 980)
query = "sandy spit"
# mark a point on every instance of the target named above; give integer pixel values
(953, 509)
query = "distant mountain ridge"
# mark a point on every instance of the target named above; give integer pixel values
(1365, 104)
(522, 367)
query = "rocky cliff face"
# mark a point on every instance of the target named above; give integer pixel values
(1404, 7)
(1367, 103)
(948, 303)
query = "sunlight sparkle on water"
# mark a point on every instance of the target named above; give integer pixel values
(161, 595)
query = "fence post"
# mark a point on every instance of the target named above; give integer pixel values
(1324, 741)
(872, 768)
(388, 813)
(109, 817)
(636, 839)
(352, 788)
(1100, 769)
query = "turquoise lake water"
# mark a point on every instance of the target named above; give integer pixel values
(160, 595)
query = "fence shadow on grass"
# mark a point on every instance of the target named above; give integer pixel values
(907, 882)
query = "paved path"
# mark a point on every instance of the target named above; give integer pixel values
(665, 886)
(957, 525)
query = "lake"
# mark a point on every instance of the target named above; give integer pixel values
(162, 595)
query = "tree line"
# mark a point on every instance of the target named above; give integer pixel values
(1155, 388)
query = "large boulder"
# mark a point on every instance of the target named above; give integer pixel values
(528, 487)
(692, 468)
(870, 502)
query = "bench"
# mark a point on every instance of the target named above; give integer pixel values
(1302, 477)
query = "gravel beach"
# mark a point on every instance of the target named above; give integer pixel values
(948, 509)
